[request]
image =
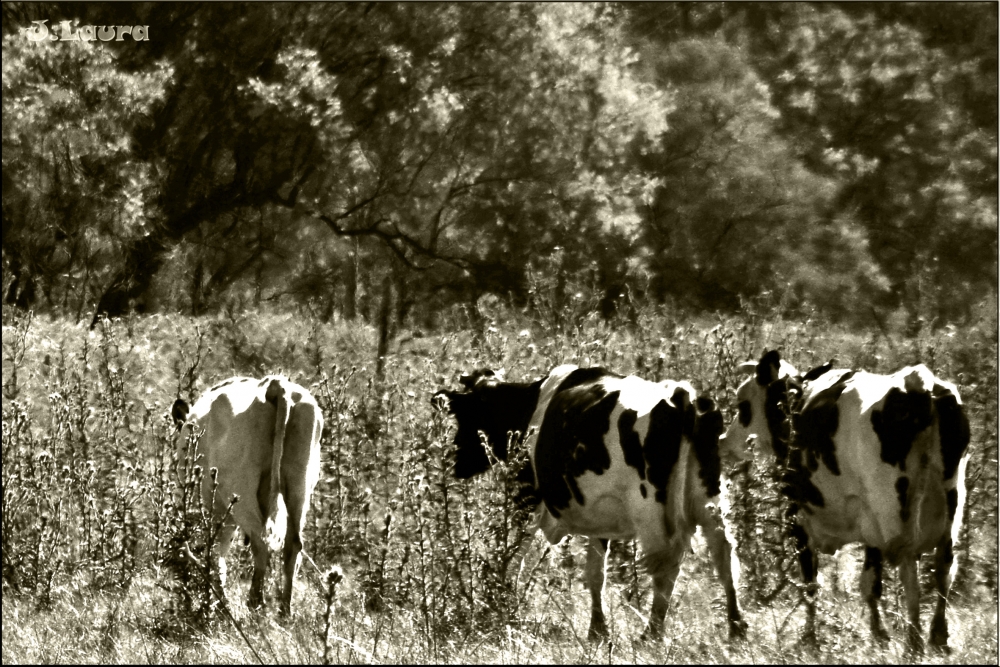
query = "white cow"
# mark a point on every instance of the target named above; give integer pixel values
(263, 437)
(876, 459)
(612, 457)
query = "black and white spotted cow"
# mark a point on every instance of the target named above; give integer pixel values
(875, 459)
(611, 457)
(263, 438)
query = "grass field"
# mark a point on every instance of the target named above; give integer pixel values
(91, 520)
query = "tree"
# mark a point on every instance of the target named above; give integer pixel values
(719, 150)
(895, 105)
(73, 196)
(449, 134)
(734, 213)
(899, 104)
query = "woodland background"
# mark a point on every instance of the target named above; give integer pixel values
(839, 157)
(375, 197)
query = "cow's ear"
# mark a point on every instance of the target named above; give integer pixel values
(441, 401)
(680, 399)
(767, 368)
(487, 378)
(709, 422)
(748, 366)
(819, 370)
(470, 380)
(180, 412)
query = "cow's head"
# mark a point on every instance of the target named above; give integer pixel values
(488, 405)
(707, 428)
(179, 412)
(762, 402)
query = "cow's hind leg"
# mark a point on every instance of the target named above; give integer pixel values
(223, 541)
(250, 517)
(944, 574)
(597, 559)
(911, 587)
(299, 474)
(809, 563)
(663, 566)
(871, 590)
(727, 565)
(297, 504)
(261, 556)
(292, 549)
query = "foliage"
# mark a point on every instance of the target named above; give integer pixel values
(734, 213)
(841, 159)
(74, 194)
(883, 100)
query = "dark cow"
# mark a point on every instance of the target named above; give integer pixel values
(876, 459)
(611, 458)
(263, 438)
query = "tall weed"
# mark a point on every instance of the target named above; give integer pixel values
(94, 495)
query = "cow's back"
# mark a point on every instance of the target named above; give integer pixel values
(625, 461)
(237, 427)
(872, 467)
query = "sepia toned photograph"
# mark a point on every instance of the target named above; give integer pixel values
(500, 332)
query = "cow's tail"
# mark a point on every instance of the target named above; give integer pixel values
(276, 394)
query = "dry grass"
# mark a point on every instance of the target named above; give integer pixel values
(429, 561)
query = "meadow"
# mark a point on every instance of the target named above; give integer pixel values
(97, 505)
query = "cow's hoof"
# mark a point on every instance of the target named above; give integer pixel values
(915, 642)
(880, 635)
(942, 649)
(940, 643)
(939, 637)
(597, 633)
(255, 602)
(737, 629)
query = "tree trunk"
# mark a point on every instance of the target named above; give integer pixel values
(351, 284)
(385, 310)
(197, 293)
(142, 261)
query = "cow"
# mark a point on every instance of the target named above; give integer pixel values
(610, 457)
(263, 438)
(875, 459)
